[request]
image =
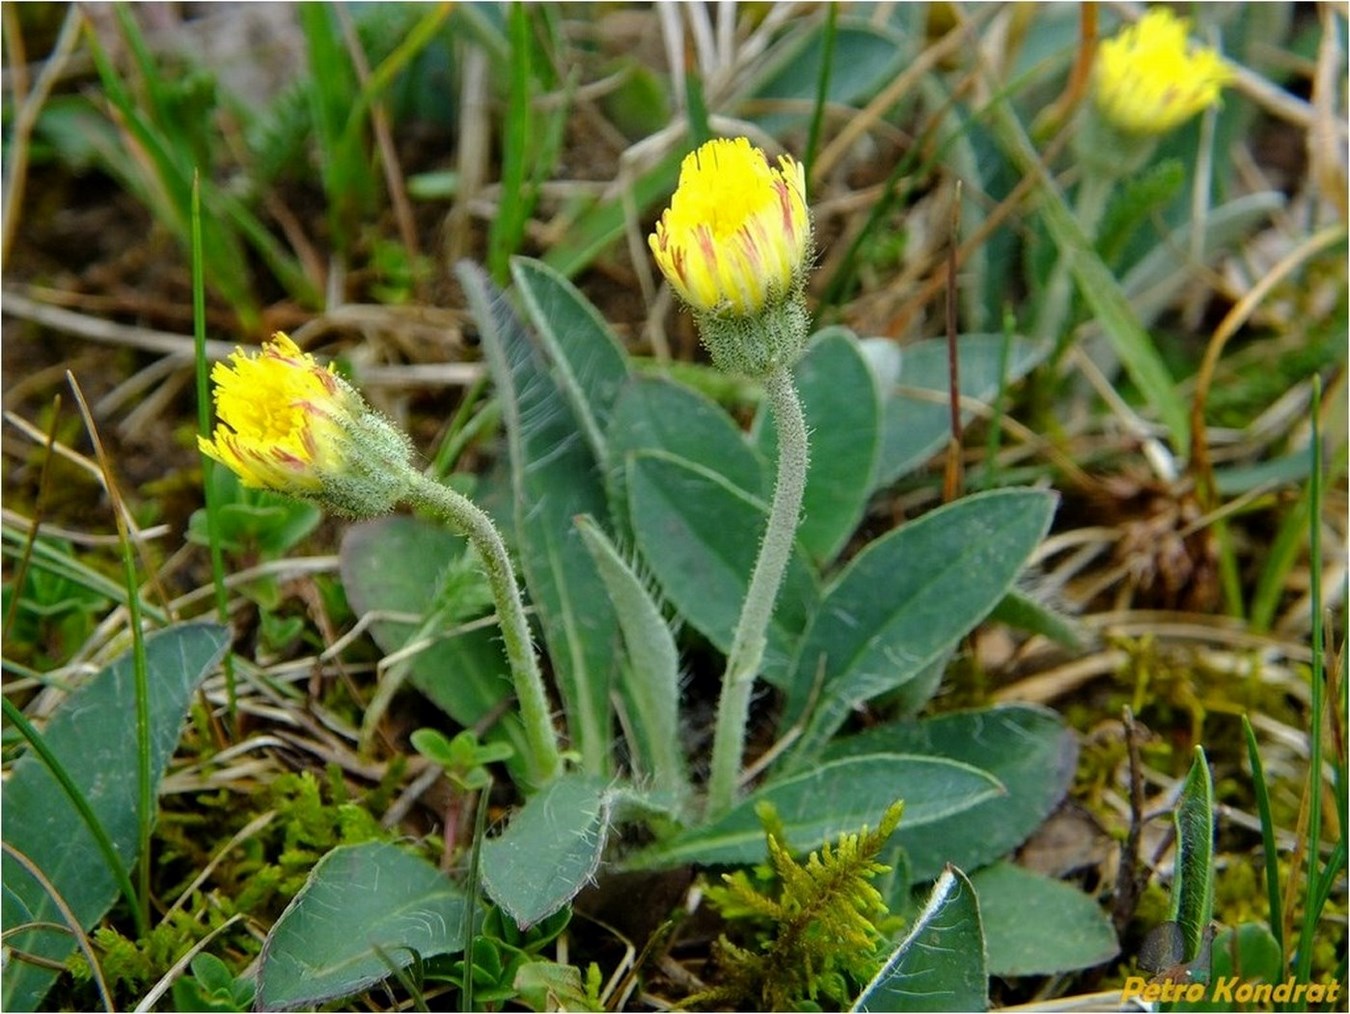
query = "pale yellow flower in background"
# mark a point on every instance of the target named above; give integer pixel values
(289, 425)
(737, 234)
(1150, 80)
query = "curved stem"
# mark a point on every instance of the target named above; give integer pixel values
(466, 517)
(747, 647)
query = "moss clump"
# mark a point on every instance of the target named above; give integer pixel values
(815, 927)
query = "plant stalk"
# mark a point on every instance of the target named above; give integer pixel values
(465, 517)
(747, 647)
(1052, 321)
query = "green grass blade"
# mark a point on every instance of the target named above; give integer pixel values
(1262, 793)
(822, 86)
(508, 227)
(696, 109)
(158, 99)
(348, 178)
(145, 778)
(285, 267)
(465, 425)
(204, 429)
(471, 880)
(1335, 866)
(161, 170)
(1312, 908)
(383, 76)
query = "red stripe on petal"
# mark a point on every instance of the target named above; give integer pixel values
(677, 262)
(785, 206)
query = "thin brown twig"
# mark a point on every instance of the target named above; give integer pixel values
(1292, 896)
(126, 527)
(1059, 112)
(18, 56)
(1326, 134)
(1335, 672)
(26, 557)
(106, 332)
(26, 119)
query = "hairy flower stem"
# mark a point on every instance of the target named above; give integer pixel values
(747, 647)
(470, 520)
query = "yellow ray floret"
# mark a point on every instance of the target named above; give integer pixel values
(1149, 80)
(278, 415)
(737, 234)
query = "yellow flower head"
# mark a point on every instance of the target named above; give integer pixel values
(289, 425)
(1148, 80)
(737, 234)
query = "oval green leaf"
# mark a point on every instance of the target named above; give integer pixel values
(92, 736)
(940, 965)
(654, 414)
(590, 363)
(833, 798)
(907, 598)
(1027, 748)
(362, 905)
(700, 535)
(549, 851)
(1034, 925)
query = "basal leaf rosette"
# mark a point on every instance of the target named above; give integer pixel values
(735, 244)
(289, 425)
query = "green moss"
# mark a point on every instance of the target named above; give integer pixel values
(812, 929)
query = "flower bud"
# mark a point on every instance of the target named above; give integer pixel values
(735, 243)
(289, 425)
